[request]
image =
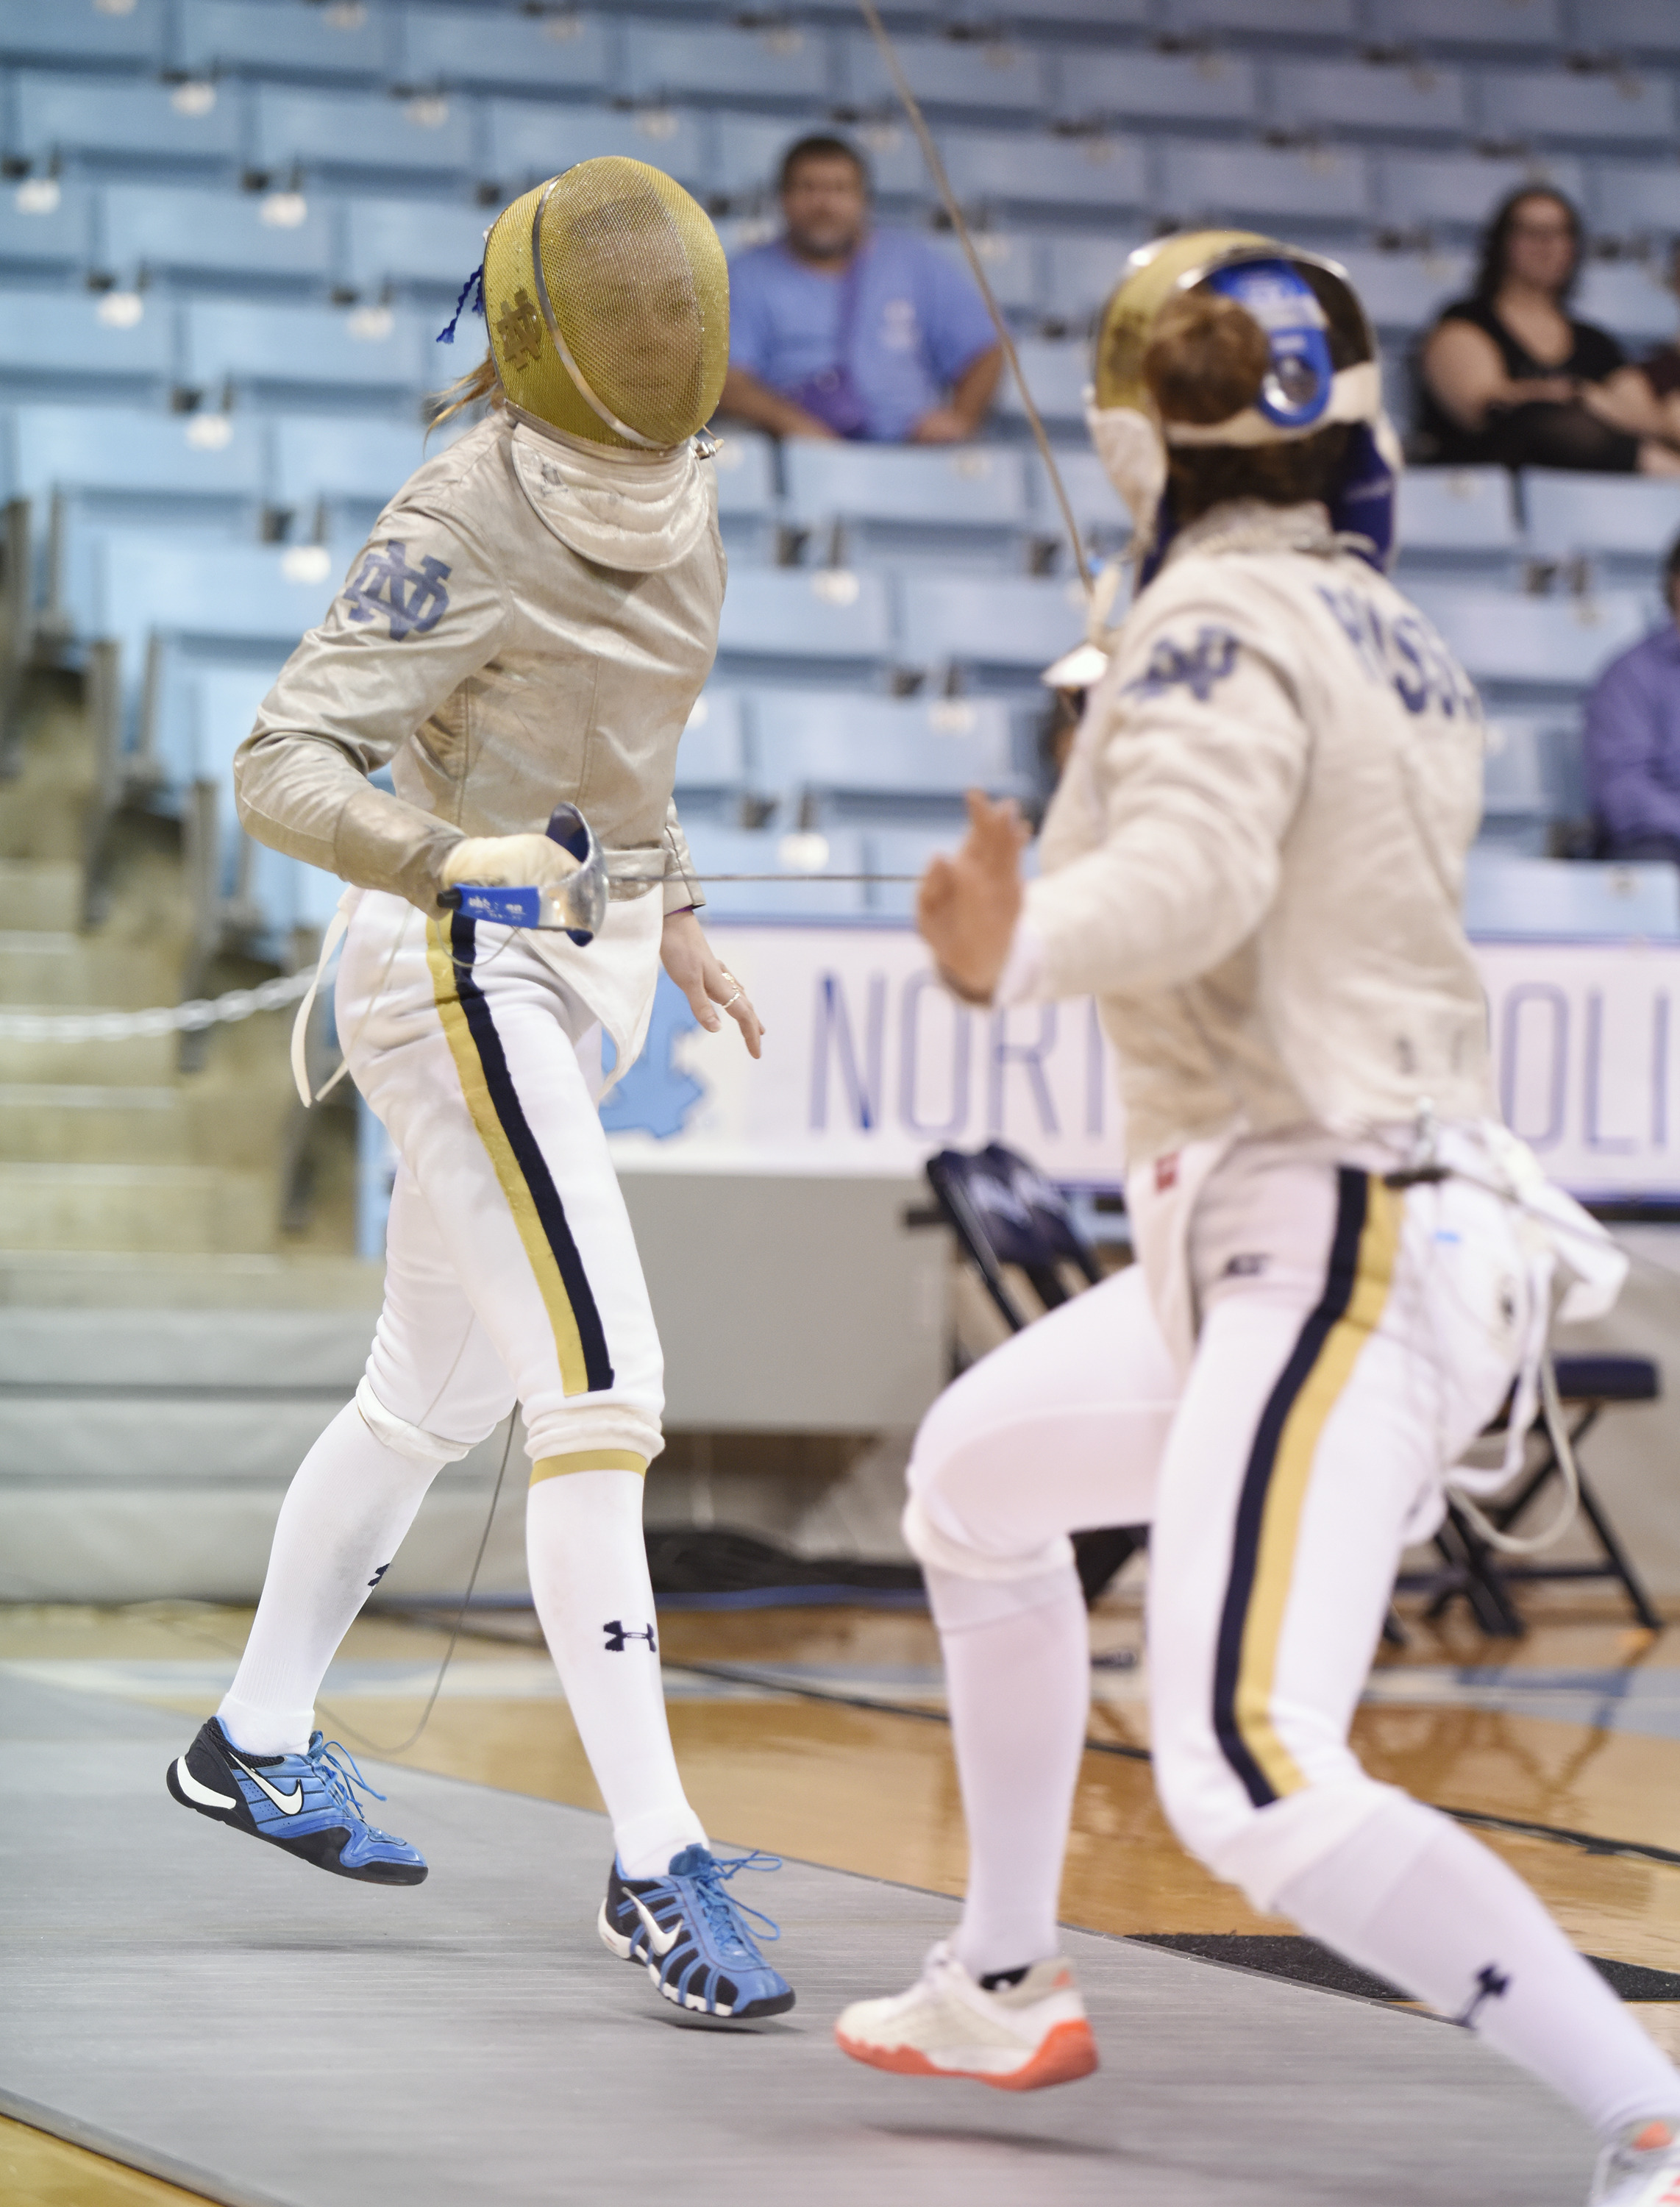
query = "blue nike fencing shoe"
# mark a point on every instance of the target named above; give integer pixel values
(688, 1931)
(302, 1802)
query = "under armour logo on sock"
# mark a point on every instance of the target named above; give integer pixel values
(379, 1575)
(1490, 1985)
(617, 1634)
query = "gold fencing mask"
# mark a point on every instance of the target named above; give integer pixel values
(606, 295)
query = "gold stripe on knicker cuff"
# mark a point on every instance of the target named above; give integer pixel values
(602, 1459)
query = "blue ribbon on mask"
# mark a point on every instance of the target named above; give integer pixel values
(446, 335)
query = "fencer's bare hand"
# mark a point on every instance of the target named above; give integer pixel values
(967, 904)
(707, 984)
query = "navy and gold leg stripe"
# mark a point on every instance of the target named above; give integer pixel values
(521, 1168)
(1280, 1469)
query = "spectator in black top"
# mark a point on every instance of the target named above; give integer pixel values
(1509, 378)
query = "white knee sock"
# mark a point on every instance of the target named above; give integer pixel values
(343, 1520)
(1415, 1898)
(1018, 1673)
(589, 1571)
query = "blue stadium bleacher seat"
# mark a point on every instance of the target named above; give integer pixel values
(1460, 512)
(1145, 87)
(1012, 263)
(1629, 297)
(533, 51)
(1450, 22)
(948, 73)
(1094, 14)
(1457, 192)
(183, 125)
(1387, 97)
(527, 141)
(897, 857)
(415, 245)
(1021, 625)
(31, 31)
(255, 37)
(750, 149)
(1282, 19)
(1097, 506)
(1530, 778)
(1083, 272)
(82, 467)
(1506, 894)
(1324, 185)
(344, 470)
(1635, 27)
(816, 615)
(712, 755)
(260, 346)
(46, 224)
(429, 137)
(719, 851)
(1557, 105)
(55, 341)
(959, 487)
(746, 471)
(1404, 292)
(782, 61)
(1057, 375)
(1634, 518)
(1631, 199)
(884, 751)
(1553, 642)
(1012, 168)
(176, 229)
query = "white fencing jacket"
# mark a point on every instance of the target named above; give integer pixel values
(1255, 859)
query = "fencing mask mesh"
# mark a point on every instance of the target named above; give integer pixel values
(606, 295)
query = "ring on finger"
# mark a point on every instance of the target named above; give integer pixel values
(739, 993)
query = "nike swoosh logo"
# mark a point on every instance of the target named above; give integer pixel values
(202, 1794)
(287, 1804)
(660, 1941)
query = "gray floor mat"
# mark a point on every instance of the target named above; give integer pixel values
(195, 2004)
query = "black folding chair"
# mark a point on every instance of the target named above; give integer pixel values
(1482, 1574)
(1004, 1212)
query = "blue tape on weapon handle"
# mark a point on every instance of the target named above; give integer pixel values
(520, 907)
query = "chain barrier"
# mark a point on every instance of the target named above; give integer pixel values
(161, 1020)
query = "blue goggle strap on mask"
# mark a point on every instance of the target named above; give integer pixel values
(1297, 386)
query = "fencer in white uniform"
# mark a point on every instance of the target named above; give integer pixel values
(531, 622)
(1254, 861)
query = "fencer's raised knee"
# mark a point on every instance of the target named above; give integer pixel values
(1260, 1847)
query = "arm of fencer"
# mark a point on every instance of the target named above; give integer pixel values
(683, 892)
(421, 609)
(1193, 768)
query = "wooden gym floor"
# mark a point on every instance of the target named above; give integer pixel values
(812, 1732)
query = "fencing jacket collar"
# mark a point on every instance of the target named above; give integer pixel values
(634, 510)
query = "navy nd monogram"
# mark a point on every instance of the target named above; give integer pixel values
(1195, 666)
(414, 597)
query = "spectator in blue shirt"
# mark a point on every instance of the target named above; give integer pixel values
(841, 330)
(1633, 740)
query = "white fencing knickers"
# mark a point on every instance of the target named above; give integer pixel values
(511, 1275)
(1352, 1341)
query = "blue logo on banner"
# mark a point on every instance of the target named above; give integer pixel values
(655, 1096)
(414, 597)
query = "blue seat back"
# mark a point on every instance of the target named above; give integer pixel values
(1133, 87)
(217, 37)
(973, 73)
(34, 234)
(82, 115)
(1458, 510)
(29, 31)
(428, 135)
(166, 229)
(240, 340)
(1204, 181)
(322, 455)
(1532, 23)
(712, 755)
(528, 52)
(960, 486)
(1636, 516)
(745, 465)
(781, 61)
(1504, 895)
(415, 241)
(1360, 96)
(1056, 374)
(1501, 637)
(1455, 193)
(813, 897)
(530, 141)
(1632, 107)
(97, 448)
(1022, 623)
(59, 335)
(798, 614)
(1099, 172)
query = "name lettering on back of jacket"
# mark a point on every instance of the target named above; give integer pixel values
(1193, 666)
(413, 598)
(1405, 653)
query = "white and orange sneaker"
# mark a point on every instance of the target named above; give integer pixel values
(1641, 2168)
(1017, 2036)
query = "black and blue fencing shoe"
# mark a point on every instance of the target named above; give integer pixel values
(305, 1804)
(688, 1931)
